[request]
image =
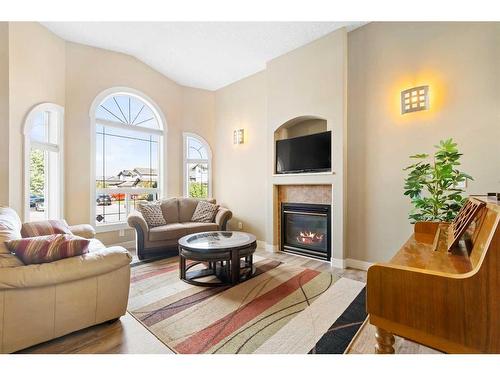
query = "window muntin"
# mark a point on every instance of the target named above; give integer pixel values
(195, 149)
(128, 140)
(43, 181)
(127, 110)
(197, 164)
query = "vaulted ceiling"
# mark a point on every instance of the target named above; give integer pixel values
(207, 55)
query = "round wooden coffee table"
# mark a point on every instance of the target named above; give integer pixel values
(226, 255)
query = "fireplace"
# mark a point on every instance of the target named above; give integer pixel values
(306, 229)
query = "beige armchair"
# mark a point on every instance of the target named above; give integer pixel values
(162, 240)
(39, 302)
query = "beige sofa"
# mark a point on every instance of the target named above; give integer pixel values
(162, 240)
(40, 302)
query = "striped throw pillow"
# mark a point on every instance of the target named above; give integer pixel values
(44, 228)
(46, 249)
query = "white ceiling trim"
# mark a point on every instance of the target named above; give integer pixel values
(206, 55)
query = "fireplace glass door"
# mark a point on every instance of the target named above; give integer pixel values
(306, 229)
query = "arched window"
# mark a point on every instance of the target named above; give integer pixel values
(43, 159)
(197, 167)
(128, 135)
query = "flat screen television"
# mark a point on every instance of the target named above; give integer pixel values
(309, 153)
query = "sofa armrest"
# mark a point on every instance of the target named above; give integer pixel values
(83, 230)
(65, 270)
(136, 220)
(222, 217)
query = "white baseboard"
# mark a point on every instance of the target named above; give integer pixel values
(338, 263)
(358, 264)
(267, 247)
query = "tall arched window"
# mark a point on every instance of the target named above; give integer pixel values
(128, 134)
(43, 159)
(197, 167)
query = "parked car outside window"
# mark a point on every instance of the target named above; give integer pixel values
(103, 200)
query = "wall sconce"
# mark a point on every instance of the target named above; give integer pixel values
(239, 136)
(415, 99)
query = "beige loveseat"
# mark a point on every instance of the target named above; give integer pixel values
(162, 240)
(40, 302)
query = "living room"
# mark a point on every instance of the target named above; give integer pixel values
(261, 187)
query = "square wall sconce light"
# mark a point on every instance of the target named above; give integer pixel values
(415, 99)
(239, 136)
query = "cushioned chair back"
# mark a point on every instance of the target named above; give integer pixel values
(187, 207)
(170, 210)
(10, 227)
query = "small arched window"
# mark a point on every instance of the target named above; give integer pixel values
(128, 155)
(197, 167)
(43, 159)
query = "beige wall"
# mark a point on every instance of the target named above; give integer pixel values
(241, 170)
(461, 63)
(37, 66)
(90, 71)
(197, 116)
(311, 81)
(4, 113)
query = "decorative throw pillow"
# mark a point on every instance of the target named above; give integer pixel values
(45, 249)
(10, 227)
(205, 212)
(152, 213)
(44, 228)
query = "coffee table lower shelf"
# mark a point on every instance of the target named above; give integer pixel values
(220, 269)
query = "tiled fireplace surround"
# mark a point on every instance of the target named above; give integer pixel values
(318, 194)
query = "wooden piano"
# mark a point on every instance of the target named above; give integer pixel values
(442, 289)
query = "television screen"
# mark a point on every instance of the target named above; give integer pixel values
(310, 153)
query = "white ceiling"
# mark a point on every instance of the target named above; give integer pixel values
(207, 55)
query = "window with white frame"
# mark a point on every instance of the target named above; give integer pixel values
(197, 167)
(43, 186)
(128, 155)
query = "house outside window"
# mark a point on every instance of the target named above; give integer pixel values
(197, 167)
(128, 156)
(43, 159)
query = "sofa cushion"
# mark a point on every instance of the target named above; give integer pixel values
(170, 209)
(167, 232)
(187, 207)
(205, 212)
(10, 260)
(44, 228)
(95, 245)
(152, 213)
(10, 227)
(195, 227)
(46, 249)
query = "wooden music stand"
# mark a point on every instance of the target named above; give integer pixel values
(465, 216)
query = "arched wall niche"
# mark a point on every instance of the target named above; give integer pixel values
(300, 126)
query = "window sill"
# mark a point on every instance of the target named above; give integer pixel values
(103, 228)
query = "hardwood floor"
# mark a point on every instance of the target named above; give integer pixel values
(125, 336)
(128, 336)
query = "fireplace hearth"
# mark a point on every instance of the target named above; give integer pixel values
(306, 230)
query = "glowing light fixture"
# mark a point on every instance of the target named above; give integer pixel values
(239, 136)
(415, 99)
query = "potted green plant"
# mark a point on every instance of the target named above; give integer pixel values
(433, 184)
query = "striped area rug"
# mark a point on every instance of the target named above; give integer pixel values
(282, 309)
